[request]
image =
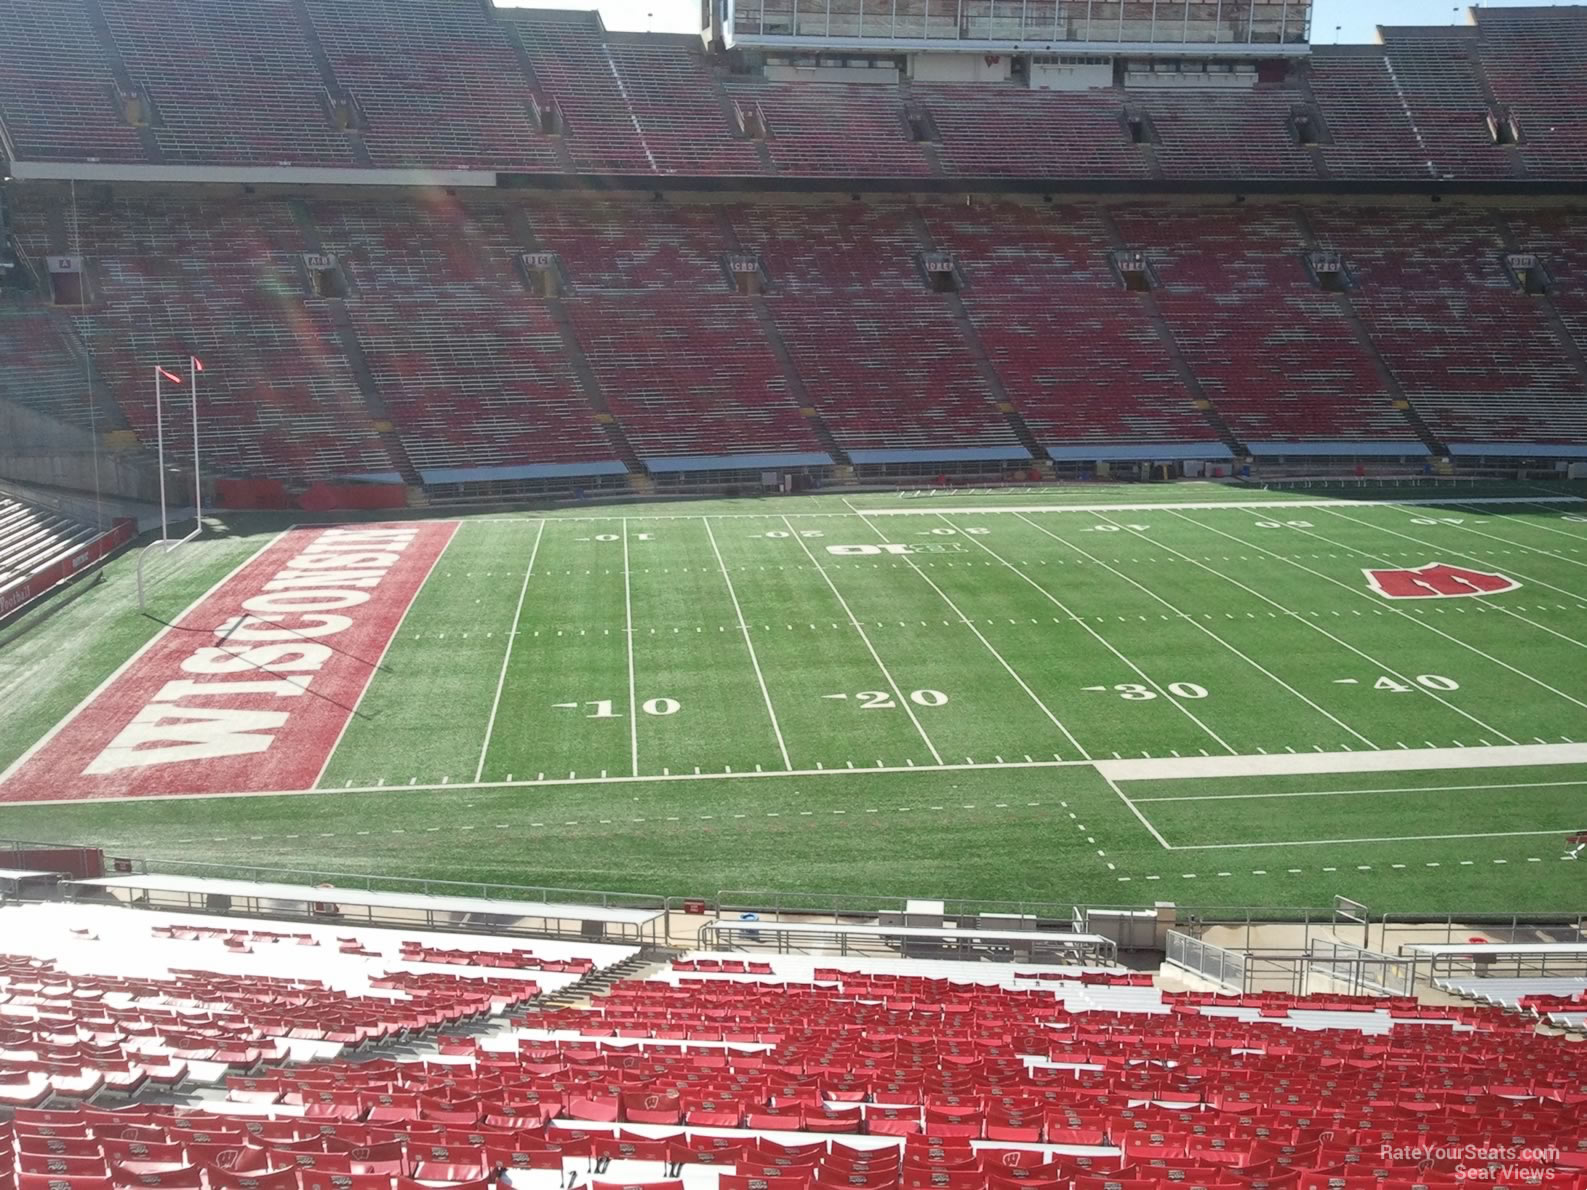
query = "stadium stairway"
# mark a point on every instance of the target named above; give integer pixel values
(1165, 334)
(589, 384)
(779, 349)
(978, 353)
(1370, 349)
(644, 965)
(347, 340)
(1545, 301)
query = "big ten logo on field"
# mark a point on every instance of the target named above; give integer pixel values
(1438, 580)
(896, 548)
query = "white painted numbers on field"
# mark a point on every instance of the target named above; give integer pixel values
(605, 707)
(1136, 692)
(881, 700)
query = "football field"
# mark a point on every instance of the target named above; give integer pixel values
(1108, 695)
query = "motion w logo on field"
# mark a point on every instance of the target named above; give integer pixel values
(1438, 580)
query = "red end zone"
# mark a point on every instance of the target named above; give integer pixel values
(250, 690)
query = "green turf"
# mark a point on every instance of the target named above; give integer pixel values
(945, 678)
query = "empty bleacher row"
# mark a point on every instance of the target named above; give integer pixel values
(33, 539)
(430, 351)
(100, 1000)
(447, 84)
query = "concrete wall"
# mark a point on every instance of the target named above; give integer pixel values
(38, 450)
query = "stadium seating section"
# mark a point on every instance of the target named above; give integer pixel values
(429, 351)
(440, 359)
(743, 1073)
(451, 84)
(32, 539)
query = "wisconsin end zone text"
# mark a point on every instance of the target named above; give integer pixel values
(250, 690)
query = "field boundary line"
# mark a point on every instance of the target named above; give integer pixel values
(166, 629)
(1253, 663)
(1377, 839)
(396, 631)
(1171, 506)
(506, 658)
(1242, 797)
(563, 782)
(1389, 760)
(970, 624)
(1454, 639)
(760, 677)
(628, 611)
(1135, 810)
(875, 656)
(970, 511)
(1097, 636)
(1299, 619)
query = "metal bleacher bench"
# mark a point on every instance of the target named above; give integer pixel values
(717, 933)
(636, 926)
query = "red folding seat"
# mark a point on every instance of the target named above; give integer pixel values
(44, 1181)
(58, 1165)
(447, 1163)
(652, 1107)
(617, 1148)
(883, 1179)
(944, 1179)
(753, 1182)
(318, 1179)
(149, 1173)
(57, 1146)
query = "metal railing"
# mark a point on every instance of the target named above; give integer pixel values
(1354, 970)
(1222, 966)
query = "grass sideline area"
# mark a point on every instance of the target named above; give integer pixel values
(1001, 694)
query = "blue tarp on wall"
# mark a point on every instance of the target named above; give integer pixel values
(760, 462)
(943, 454)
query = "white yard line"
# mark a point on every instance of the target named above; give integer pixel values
(1375, 839)
(750, 645)
(1498, 607)
(1263, 670)
(1388, 790)
(1146, 822)
(1299, 619)
(1390, 760)
(876, 657)
(512, 637)
(970, 624)
(628, 611)
(1059, 604)
(396, 631)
